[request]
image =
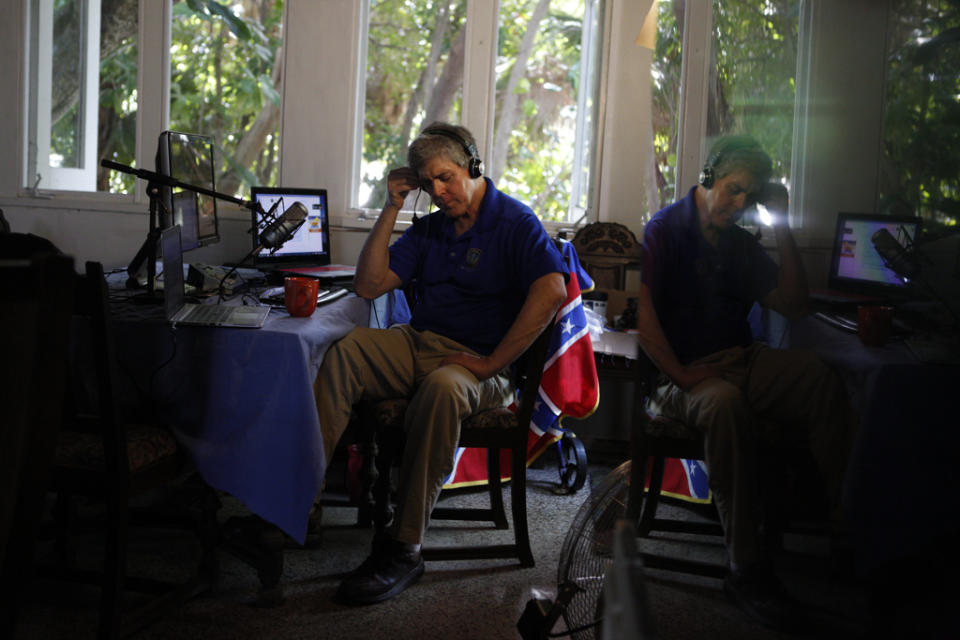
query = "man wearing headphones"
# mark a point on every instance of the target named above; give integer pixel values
(488, 279)
(702, 273)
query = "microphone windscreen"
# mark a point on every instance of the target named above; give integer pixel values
(283, 228)
(893, 254)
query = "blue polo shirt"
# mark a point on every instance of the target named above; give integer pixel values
(470, 288)
(702, 294)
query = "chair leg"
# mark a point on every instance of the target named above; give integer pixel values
(495, 489)
(638, 477)
(114, 567)
(518, 505)
(383, 508)
(649, 513)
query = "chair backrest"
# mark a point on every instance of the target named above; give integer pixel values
(608, 250)
(529, 371)
(35, 305)
(94, 403)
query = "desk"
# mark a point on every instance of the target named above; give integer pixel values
(902, 486)
(241, 400)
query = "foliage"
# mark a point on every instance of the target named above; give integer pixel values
(921, 169)
(409, 47)
(221, 77)
(539, 162)
(222, 61)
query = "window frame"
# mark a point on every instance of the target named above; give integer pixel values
(479, 101)
(38, 169)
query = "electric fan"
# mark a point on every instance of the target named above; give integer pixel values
(587, 553)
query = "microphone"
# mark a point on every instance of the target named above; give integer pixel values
(282, 229)
(894, 255)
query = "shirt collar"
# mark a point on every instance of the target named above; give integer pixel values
(487, 216)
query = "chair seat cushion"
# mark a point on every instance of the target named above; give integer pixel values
(664, 427)
(390, 412)
(145, 446)
(496, 418)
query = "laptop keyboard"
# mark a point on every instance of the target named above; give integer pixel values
(208, 313)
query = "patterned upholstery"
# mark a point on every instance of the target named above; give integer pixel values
(145, 445)
(663, 427)
(498, 418)
(388, 413)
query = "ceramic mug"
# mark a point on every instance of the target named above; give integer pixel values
(300, 295)
(873, 324)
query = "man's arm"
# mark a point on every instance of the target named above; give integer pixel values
(655, 345)
(545, 296)
(373, 276)
(790, 296)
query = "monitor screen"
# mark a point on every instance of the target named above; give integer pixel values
(310, 245)
(188, 158)
(856, 265)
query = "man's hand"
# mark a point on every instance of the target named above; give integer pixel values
(777, 201)
(477, 365)
(693, 375)
(400, 182)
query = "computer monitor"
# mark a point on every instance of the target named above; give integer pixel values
(188, 157)
(310, 245)
(856, 266)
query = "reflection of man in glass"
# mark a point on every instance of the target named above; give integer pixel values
(701, 276)
(487, 279)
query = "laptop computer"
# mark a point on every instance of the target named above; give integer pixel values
(207, 315)
(858, 274)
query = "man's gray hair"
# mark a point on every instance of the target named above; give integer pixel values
(735, 152)
(440, 139)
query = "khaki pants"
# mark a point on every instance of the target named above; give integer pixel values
(783, 397)
(377, 364)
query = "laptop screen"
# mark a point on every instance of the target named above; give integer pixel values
(310, 245)
(172, 270)
(188, 157)
(856, 266)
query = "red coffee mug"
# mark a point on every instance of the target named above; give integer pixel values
(874, 323)
(300, 295)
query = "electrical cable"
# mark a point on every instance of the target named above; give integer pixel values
(570, 632)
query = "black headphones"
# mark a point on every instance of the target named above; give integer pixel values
(474, 164)
(707, 176)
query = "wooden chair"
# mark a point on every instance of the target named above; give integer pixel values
(493, 430)
(654, 438)
(607, 250)
(35, 313)
(101, 457)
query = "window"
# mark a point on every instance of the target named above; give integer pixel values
(920, 171)
(750, 83)
(546, 89)
(83, 93)
(414, 76)
(755, 47)
(225, 75)
(665, 74)
(541, 80)
(84, 78)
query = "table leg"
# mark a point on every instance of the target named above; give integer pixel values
(259, 544)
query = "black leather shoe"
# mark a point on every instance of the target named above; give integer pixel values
(390, 569)
(758, 592)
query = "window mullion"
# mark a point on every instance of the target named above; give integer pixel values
(153, 83)
(479, 72)
(694, 94)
